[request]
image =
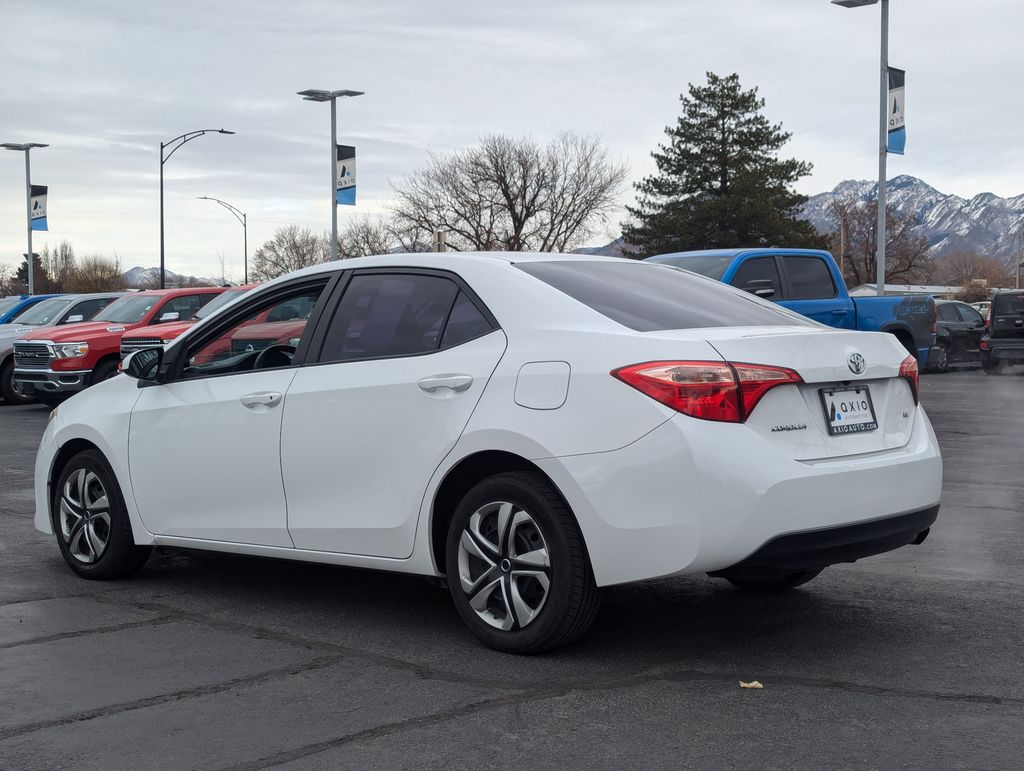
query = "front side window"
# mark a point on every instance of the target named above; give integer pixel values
(87, 309)
(128, 310)
(809, 278)
(185, 306)
(647, 297)
(759, 273)
(390, 314)
(265, 336)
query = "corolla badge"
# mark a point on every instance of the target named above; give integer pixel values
(856, 363)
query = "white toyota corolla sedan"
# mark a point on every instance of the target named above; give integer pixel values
(531, 427)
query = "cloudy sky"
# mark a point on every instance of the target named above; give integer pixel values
(104, 82)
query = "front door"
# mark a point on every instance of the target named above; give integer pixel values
(204, 448)
(404, 361)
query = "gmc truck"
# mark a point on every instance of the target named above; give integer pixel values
(809, 282)
(53, 312)
(52, 364)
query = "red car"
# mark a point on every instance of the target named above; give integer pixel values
(52, 364)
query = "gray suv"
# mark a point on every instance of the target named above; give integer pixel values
(1003, 344)
(54, 312)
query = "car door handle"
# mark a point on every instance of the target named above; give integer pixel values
(839, 312)
(457, 383)
(261, 399)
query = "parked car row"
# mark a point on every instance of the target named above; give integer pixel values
(529, 427)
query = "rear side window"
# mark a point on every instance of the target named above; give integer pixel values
(809, 278)
(646, 296)
(947, 313)
(465, 323)
(383, 315)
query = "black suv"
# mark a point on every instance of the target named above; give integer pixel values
(1003, 345)
(958, 332)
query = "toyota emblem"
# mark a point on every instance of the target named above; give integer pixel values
(856, 363)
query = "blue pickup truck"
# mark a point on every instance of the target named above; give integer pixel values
(808, 281)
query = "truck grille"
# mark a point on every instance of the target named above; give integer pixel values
(132, 344)
(245, 346)
(31, 355)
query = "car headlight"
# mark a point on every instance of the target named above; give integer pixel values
(69, 350)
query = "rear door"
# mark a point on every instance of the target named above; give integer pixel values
(403, 361)
(811, 290)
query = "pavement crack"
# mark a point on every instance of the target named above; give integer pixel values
(149, 622)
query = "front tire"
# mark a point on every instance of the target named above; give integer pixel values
(104, 371)
(517, 569)
(773, 582)
(91, 522)
(9, 389)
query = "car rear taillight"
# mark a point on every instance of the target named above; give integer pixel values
(908, 370)
(983, 345)
(709, 390)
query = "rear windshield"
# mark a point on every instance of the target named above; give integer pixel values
(710, 265)
(647, 297)
(1008, 305)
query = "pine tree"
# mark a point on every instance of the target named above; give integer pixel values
(720, 182)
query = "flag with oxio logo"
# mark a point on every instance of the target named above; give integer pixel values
(346, 185)
(38, 207)
(897, 139)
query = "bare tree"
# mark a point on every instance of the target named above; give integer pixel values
(7, 280)
(361, 236)
(290, 248)
(512, 194)
(96, 273)
(965, 268)
(907, 256)
(59, 263)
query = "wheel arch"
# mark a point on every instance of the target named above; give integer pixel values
(904, 334)
(460, 478)
(115, 358)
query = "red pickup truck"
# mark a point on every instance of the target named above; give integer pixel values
(52, 364)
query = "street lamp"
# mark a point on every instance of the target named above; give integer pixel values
(25, 148)
(240, 216)
(188, 136)
(319, 95)
(883, 99)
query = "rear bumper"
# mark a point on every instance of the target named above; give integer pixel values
(829, 546)
(1004, 350)
(47, 381)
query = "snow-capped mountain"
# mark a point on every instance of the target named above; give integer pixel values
(986, 223)
(147, 278)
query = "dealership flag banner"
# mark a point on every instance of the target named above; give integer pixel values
(39, 207)
(346, 192)
(897, 131)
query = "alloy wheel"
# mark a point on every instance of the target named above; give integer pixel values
(504, 565)
(85, 516)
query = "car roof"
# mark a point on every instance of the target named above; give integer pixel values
(732, 252)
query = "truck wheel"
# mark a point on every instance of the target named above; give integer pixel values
(774, 582)
(104, 371)
(994, 368)
(91, 522)
(517, 569)
(9, 389)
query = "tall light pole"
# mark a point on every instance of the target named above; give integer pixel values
(319, 95)
(26, 148)
(240, 216)
(188, 136)
(883, 131)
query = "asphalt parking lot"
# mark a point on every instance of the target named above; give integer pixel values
(907, 659)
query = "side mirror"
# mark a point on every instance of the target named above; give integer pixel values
(762, 287)
(144, 364)
(74, 319)
(169, 316)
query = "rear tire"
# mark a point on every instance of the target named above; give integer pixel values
(9, 389)
(774, 582)
(517, 569)
(994, 368)
(91, 522)
(941, 360)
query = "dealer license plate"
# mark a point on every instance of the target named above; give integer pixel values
(848, 410)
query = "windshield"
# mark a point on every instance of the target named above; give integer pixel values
(6, 305)
(218, 302)
(710, 265)
(44, 312)
(127, 310)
